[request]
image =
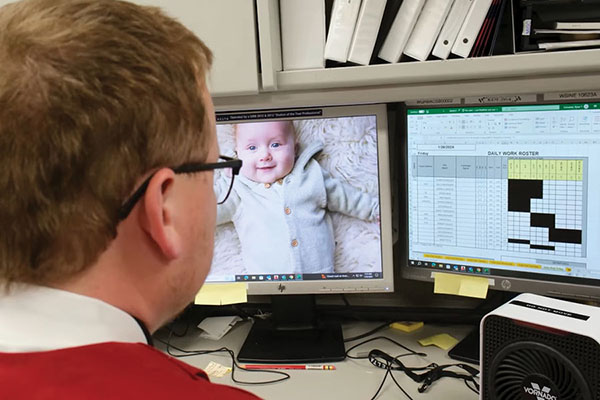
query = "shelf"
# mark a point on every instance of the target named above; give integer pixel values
(447, 71)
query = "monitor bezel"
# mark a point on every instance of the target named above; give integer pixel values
(371, 285)
(512, 281)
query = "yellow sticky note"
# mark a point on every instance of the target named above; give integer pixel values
(470, 286)
(219, 294)
(443, 341)
(407, 326)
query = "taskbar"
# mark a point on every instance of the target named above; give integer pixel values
(450, 267)
(510, 267)
(307, 277)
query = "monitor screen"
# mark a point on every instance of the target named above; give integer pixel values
(510, 192)
(310, 211)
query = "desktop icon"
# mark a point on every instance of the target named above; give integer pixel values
(245, 277)
(291, 277)
(323, 276)
(268, 277)
(260, 278)
(283, 277)
(299, 276)
(276, 277)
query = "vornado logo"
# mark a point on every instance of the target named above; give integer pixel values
(541, 393)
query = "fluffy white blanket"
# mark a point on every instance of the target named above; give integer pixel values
(350, 154)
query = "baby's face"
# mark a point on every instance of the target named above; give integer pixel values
(267, 150)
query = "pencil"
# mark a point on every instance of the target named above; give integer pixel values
(291, 366)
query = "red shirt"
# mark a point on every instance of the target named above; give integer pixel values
(106, 371)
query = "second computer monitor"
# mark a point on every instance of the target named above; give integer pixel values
(509, 193)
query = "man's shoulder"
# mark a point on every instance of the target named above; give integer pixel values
(106, 371)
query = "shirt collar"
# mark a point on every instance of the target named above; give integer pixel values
(38, 318)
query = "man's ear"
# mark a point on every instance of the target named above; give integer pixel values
(157, 214)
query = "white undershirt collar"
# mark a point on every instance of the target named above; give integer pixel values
(38, 318)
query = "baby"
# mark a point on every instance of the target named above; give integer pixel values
(279, 202)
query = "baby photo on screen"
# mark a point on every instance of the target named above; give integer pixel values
(306, 200)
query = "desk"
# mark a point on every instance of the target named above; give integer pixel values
(352, 379)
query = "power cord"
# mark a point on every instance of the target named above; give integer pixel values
(432, 372)
(425, 375)
(388, 369)
(359, 357)
(188, 353)
(369, 333)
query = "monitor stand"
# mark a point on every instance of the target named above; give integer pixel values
(467, 349)
(293, 335)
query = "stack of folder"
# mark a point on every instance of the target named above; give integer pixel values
(320, 33)
(439, 28)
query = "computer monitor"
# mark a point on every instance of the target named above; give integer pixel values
(506, 192)
(309, 213)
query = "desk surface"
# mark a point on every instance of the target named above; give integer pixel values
(352, 379)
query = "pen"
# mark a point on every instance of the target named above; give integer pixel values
(291, 366)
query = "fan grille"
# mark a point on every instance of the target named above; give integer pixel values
(567, 359)
(531, 366)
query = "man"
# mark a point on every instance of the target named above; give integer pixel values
(99, 98)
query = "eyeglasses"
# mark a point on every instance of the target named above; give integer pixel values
(230, 168)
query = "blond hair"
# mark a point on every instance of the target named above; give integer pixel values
(93, 95)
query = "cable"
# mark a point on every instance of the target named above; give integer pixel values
(388, 365)
(397, 384)
(388, 371)
(381, 384)
(380, 338)
(345, 300)
(171, 328)
(475, 387)
(234, 364)
(369, 333)
(432, 372)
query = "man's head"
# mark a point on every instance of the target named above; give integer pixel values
(267, 149)
(94, 96)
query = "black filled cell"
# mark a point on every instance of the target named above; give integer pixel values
(520, 241)
(521, 191)
(542, 220)
(541, 247)
(565, 235)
